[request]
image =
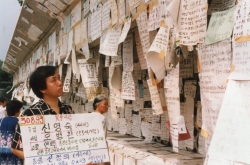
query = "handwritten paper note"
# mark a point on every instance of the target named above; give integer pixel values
(155, 98)
(173, 104)
(142, 23)
(110, 44)
(142, 59)
(125, 30)
(169, 10)
(192, 22)
(117, 60)
(241, 64)
(76, 14)
(128, 86)
(215, 62)
(234, 114)
(156, 53)
(186, 67)
(96, 23)
(172, 78)
(114, 15)
(67, 81)
(128, 54)
(65, 139)
(220, 26)
(211, 105)
(174, 137)
(187, 110)
(105, 16)
(121, 10)
(88, 74)
(136, 125)
(86, 8)
(133, 4)
(154, 19)
(116, 79)
(241, 20)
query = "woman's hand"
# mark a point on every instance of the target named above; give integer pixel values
(90, 163)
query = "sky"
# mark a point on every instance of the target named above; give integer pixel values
(9, 13)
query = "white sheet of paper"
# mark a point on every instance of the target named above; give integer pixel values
(105, 16)
(215, 69)
(155, 98)
(125, 30)
(117, 79)
(76, 14)
(211, 105)
(173, 104)
(190, 29)
(70, 44)
(63, 127)
(88, 74)
(242, 24)
(121, 9)
(158, 46)
(169, 10)
(142, 59)
(181, 125)
(66, 85)
(154, 19)
(172, 78)
(117, 60)
(110, 44)
(242, 66)
(96, 23)
(146, 129)
(142, 23)
(86, 8)
(174, 136)
(114, 11)
(128, 86)
(128, 54)
(234, 114)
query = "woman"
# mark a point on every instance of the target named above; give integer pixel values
(101, 105)
(7, 129)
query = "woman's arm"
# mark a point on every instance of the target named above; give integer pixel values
(18, 153)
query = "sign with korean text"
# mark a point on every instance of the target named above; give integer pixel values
(64, 139)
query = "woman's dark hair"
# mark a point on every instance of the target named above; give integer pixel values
(13, 107)
(2, 99)
(98, 100)
(38, 79)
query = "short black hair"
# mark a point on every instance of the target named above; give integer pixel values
(38, 79)
(2, 99)
(13, 107)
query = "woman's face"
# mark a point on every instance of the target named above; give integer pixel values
(103, 106)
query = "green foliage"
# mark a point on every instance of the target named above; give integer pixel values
(20, 2)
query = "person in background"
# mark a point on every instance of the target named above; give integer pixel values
(2, 107)
(100, 106)
(7, 129)
(46, 84)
